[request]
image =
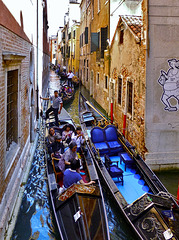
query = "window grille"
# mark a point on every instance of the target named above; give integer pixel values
(106, 82)
(97, 78)
(11, 115)
(119, 90)
(129, 96)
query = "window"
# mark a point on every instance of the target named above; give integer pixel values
(97, 78)
(86, 35)
(129, 97)
(87, 70)
(87, 74)
(106, 82)
(74, 52)
(104, 34)
(121, 36)
(69, 35)
(119, 90)
(94, 42)
(12, 109)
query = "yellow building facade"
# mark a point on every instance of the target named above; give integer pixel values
(94, 35)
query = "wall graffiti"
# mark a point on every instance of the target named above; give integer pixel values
(170, 83)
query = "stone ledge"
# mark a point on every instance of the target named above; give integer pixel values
(162, 161)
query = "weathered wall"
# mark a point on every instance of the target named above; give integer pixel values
(162, 89)
(128, 63)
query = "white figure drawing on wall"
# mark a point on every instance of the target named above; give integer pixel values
(170, 83)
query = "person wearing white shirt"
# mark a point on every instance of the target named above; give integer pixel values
(78, 137)
(70, 76)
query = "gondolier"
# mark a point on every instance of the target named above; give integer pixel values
(56, 101)
(70, 75)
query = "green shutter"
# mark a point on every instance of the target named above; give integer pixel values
(94, 42)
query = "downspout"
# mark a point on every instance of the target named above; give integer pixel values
(125, 115)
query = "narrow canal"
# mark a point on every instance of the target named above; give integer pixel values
(35, 219)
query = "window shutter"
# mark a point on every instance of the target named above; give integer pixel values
(94, 41)
(86, 35)
(104, 34)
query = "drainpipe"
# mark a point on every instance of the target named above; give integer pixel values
(112, 110)
(37, 90)
(125, 117)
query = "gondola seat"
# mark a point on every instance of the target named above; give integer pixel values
(126, 159)
(98, 139)
(113, 169)
(57, 171)
(112, 139)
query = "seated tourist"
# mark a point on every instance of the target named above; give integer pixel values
(58, 147)
(78, 137)
(66, 134)
(52, 136)
(72, 176)
(70, 154)
(59, 161)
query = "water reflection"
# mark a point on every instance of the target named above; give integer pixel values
(35, 219)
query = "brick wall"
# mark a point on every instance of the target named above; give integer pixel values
(10, 42)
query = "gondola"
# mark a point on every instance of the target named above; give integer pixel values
(79, 211)
(149, 209)
(67, 95)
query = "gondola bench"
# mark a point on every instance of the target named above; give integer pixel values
(106, 140)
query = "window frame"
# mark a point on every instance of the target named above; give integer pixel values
(10, 156)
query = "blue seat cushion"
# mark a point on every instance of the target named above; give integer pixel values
(115, 170)
(97, 135)
(110, 133)
(114, 144)
(101, 146)
(126, 157)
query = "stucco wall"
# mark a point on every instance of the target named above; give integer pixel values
(162, 126)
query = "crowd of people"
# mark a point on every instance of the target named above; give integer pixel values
(67, 145)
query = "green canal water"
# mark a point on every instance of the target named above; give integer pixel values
(35, 219)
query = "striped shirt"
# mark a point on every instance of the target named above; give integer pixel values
(56, 101)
